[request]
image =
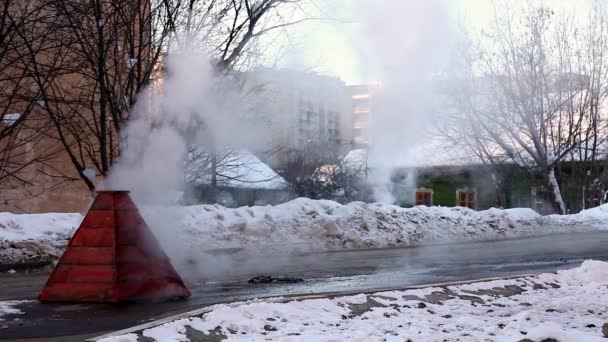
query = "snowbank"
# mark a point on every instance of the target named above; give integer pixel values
(313, 224)
(35, 237)
(559, 306)
(592, 273)
(327, 225)
(597, 213)
(14, 227)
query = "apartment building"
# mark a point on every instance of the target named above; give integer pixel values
(304, 111)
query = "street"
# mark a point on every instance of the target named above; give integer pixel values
(340, 272)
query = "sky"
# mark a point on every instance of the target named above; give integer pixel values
(339, 46)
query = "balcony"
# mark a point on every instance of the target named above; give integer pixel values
(361, 96)
(360, 111)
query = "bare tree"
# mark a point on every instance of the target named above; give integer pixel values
(530, 93)
(116, 49)
(230, 32)
(224, 169)
(24, 154)
(590, 173)
(111, 50)
(319, 171)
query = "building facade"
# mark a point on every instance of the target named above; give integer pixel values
(304, 112)
(482, 187)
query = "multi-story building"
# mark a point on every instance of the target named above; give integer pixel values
(304, 111)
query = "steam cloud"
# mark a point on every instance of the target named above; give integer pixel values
(407, 42)
(190, 106)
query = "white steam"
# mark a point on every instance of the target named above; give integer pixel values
(192, 105)
(407, 42)
(189, 105)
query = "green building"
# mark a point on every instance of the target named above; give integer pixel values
(506, 186)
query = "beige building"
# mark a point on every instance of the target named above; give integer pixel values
(306, 110)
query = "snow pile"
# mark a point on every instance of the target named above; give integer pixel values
(597, 213)
(591, 273)
(327, 225)
(311, 224)
(35, 237)
(535, 308)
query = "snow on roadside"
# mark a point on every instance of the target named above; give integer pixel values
(591, 274)
(313, 224)
(327, 225)
(565, 306)
(15, 227)
(30, 237)
(8, 308)
(598, 213)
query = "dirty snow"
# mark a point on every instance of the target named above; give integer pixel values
(35, 236)
(327, 225)
(561, 306)
(8, 308)
(313, 224)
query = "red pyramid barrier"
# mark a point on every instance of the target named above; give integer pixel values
(113, 257)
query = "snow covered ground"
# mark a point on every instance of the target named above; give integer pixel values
(300, 223)
(567, 306)
(35, 237)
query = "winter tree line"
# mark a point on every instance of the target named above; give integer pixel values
(530, 90)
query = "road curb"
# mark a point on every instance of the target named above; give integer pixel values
(285, 299)
(29, 265)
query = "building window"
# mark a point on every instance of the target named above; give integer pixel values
(424, 197)
(466, 198)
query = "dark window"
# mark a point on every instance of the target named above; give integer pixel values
(466, 199)
(424, 198)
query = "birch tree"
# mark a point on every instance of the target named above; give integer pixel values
(531, 92)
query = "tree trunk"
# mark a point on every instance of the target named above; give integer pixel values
(214, 175)
(558, 201)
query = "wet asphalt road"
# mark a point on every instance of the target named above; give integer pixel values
(332, 272)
